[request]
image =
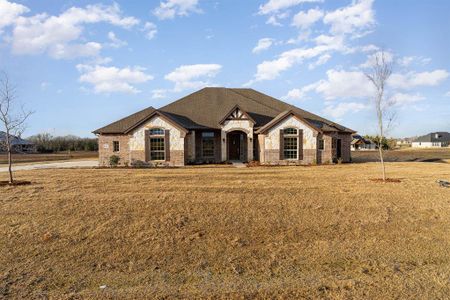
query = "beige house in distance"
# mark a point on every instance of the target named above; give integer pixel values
(216, 125)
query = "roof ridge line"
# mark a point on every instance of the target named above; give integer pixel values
(254, 100)
(326, 121)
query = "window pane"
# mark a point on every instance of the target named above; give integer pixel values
(157, 151)
(290, 131)
(116, 146)
(321, 145)
(208, 147)
(207, 134)
(156, 131)
(290, 147)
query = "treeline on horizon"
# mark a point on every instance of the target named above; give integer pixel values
(46, 143)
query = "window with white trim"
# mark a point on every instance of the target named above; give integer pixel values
(290, 143)
(157, 144)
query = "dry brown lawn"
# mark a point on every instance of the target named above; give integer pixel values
(44, 157)
(287, 232)
(404, 155)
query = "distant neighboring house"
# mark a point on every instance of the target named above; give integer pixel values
(404, 141)
(432, 140)
(215, 125)
(361, 143)
(19, 145)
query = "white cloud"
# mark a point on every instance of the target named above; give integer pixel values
(447, 94)
(339, 110)
(299, 94)
(112, 79)
(354, 19)
(263, 44)
(115, 42)
(402, 99)
(320, 61)
(274, 19)
(150, 30)
(9, 11)
(59, 36)
(413, 79)
(273, 6)
(343, 84)
(192, 76)
(100, 61)
(172, 8)
(44, 85)
(271, 69)
(304, 20)
(159, 94)
(409, 60)
(294, 94)
(66, 51)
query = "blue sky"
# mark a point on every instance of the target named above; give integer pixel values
(82, 64)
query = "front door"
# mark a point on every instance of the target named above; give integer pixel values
(234, 146)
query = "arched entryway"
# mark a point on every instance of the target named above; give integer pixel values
(237, 145)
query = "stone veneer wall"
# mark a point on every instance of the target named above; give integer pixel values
(272, 143)
(239, 125)
(105, 149)
(176, 138)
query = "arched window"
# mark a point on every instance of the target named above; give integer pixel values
(157, 144)
(290, 143)
(156, 131)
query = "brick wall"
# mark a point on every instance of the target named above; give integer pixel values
(106, 149)
(329, 154)
(217, 148)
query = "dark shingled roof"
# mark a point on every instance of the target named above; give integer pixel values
(126, 123)
(434, 137)
(207, 107)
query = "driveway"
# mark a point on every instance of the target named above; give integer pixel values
(53, 165)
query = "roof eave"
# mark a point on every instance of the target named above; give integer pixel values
(283, 116)
(161, 115)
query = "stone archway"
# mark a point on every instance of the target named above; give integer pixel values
(237, 145)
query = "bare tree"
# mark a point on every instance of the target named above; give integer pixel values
(378, 76)
(12, 118)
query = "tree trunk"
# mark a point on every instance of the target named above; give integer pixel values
(9, 148)
(383, 169)
(380, 142)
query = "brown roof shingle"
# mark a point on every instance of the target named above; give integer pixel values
(126, 123)
(207, 107)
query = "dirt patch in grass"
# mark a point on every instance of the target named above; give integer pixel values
(287, 232)
(388, 180)
(15, 183)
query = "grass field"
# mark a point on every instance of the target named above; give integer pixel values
(404, 155)
(222, 232)
(38, 157)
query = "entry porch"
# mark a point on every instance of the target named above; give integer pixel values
(218, 146)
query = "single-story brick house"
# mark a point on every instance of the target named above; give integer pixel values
(432, 140)
(215, 125)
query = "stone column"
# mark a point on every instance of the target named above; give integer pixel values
(223, 143)
(250, 145)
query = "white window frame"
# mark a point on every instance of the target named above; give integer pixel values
(157, 136)
(290, 135)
